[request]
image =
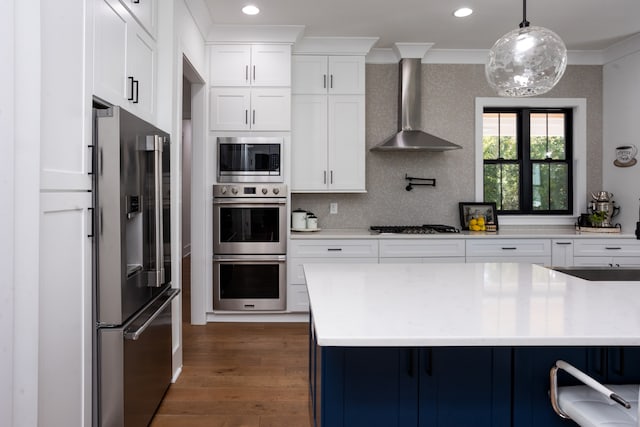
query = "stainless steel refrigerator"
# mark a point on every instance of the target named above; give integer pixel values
(132, 274)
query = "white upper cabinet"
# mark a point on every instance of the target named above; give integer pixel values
(315, 74)
(267, 109)
(145, 13)
(250, 65)
(124, 60)
(328, 148)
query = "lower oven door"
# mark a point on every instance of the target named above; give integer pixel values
(134, 366)
(249, 282)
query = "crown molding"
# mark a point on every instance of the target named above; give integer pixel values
(200, 14)
(622, 48)
(474, 56)
(288, 34)
(334, 45)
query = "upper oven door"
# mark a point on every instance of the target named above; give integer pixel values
(249, 226)
(249, 159)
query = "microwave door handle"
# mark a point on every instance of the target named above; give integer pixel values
(156, 275)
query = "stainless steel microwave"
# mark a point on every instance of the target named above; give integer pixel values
(250, 159)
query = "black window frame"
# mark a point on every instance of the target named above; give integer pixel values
(525, 163)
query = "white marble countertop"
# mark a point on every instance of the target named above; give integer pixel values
(511, 233)
(493, 304)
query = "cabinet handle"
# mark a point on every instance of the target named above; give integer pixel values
(130, 78)
(428, 363)
(509, 249)
(324, 81)
(325, 177)
(613, 248)
(93, 223)
(331, 177)
(563, 243)
(617, 265)
(410, 362)
(331, 84)
(136, 83)
(246, 117)
(253, 118)
(135, 1)
(254, 73)
(246, 73)
(92, 158)
(334, 249)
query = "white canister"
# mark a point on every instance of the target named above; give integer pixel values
(312, 222)
(299, 219)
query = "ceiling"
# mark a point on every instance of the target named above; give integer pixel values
(582, 24)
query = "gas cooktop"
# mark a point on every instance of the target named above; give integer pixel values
(414, 229)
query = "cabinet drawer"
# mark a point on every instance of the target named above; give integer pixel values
(295, 273)
(606, 247)
(334, 248)
(508, 247)
(422, 248)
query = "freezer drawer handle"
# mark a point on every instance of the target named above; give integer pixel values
(134, 335)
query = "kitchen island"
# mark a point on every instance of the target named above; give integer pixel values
(459, 344)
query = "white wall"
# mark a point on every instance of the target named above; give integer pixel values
(6, 211)
(621, 104)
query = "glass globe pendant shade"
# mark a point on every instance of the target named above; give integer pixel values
(527, 61)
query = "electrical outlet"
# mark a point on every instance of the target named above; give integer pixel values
(333, 208)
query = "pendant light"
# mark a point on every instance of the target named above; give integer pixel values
(527, 61)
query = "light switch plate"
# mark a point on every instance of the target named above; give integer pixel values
(333, 208)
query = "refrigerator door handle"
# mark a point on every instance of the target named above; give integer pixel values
(156, 276)
(134, 335)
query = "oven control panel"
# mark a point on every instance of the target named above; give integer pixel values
(250, 190)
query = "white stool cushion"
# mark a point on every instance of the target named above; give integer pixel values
(589, 408)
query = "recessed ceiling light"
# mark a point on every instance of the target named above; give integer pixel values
(250, 10)
(462, 12)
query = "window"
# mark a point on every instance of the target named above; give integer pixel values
(527, 158)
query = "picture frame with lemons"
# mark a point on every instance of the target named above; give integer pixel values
(476, 216)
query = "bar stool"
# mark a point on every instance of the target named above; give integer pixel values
(593, 404)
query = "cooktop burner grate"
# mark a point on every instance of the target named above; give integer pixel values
(414, 229)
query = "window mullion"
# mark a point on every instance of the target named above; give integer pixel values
(525, 161)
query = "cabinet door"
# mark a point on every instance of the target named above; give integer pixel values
(110, 47)
(229, 108)
(309, 143)
(346, 75)
(562, 253)
(65, 295)
(531, 406)
(145, 13)
(368, 387)
(465, 387)
(270, 65)
(270, 109)
(229, 65)
(141, 79)
(309, 74)
(346, 143)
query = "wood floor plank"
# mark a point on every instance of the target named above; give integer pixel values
(246, 383)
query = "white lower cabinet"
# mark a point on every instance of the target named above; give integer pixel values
(422, 250)
(535, 251)
(65, 295)
(322, 251)
(561, 252)
(606, 252)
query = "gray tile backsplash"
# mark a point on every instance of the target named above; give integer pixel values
(448, 98)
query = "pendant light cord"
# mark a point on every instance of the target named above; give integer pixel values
(524, 22)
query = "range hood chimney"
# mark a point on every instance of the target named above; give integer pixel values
(410, 137)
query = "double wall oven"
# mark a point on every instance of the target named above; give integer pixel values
(249, 246)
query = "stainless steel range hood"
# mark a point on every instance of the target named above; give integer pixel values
(409, 136)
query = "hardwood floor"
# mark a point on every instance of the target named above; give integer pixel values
(240, 375)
